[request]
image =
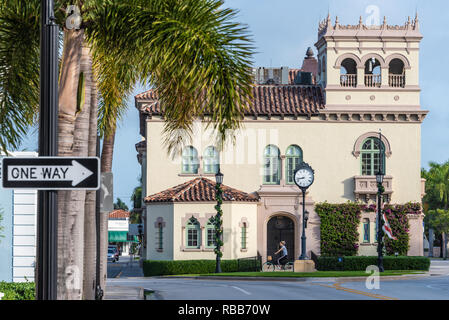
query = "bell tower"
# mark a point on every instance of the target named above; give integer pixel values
(369, 67)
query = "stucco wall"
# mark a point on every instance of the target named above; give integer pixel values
(327, 147)
(175, 217)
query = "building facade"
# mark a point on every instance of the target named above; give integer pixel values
(328, 113)
(18, 241)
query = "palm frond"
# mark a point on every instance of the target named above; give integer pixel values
(19, 69)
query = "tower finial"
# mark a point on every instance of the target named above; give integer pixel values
(336, 22)
(360, 22)
(416, 22)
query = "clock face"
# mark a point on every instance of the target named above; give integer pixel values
(304, 178)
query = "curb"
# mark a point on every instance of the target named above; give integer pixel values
(296, 279)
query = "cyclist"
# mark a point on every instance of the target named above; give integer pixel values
(283, 259)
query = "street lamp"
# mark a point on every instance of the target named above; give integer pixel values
(218, 222)
(140, 230)
(380, 190)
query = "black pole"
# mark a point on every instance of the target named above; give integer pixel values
(303, 237)
(380, 258)
(98, 289)
(47, 230)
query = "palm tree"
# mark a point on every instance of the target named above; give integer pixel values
(191, 51)
(120, 205)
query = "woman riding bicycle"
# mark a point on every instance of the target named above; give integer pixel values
(283, 259)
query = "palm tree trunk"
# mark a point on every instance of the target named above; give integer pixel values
(68, 276)
(106, 166)
(90, 204)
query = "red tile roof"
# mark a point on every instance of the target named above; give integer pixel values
(118, 214)
(267, 100)
(199, 189)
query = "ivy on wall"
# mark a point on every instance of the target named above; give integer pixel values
(339, 227)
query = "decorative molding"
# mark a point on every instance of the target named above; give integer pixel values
(365, 187)
(363, 137)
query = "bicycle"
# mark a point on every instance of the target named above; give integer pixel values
(269, 266)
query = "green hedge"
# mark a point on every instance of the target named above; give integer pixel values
(360, 263)
(160, 268)
(18, 290)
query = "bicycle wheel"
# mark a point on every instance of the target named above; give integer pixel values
(289, 266)
(267, 267)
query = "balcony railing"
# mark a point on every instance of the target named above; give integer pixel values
(373, 80)
(348, 80)
(396, 80)
(365, 187)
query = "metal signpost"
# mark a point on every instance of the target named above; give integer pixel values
(48, 146)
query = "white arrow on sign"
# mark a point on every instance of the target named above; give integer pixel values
(75, 173)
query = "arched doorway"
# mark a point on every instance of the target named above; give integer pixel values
(281, 228)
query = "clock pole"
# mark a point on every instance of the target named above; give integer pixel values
(304, 177)
(303, 237)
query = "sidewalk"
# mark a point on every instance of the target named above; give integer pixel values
(123, 293)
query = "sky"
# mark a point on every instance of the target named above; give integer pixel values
(282, 30)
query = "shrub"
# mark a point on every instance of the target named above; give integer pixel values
(360, 263)
(17, 290)
(338, 228)
(159, 268)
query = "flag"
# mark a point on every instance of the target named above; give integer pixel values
(386, 228)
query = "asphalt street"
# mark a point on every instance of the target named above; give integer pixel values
(435, 285)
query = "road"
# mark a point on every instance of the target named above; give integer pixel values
(433, 286)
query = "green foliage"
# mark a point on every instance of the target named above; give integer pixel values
(338, 228)
(437, 186)
(19, 69)
(439, 220)
(159, 268)
(18, 290)
(360, 263)
(120, 205)
(399, 223)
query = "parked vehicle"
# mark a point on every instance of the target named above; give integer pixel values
(112, 253)
(116, 250)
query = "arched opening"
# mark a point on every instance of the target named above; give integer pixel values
(281, 228)
(396, 73)
(373, 76)
(348, 73)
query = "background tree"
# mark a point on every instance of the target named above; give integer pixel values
(437, 197)
(119, 204)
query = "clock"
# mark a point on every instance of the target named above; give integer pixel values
(304, 176)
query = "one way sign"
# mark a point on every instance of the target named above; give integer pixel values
(51, 173)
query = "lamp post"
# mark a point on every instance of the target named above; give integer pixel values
(140, 230)
(380, 190)
(218, 221)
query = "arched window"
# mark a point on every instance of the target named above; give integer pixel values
(366, 233)
(370, 155)
(190, 161)
(211, 160)
(396, 74)
(272, 166)
(210, 235)
(348, 73)
(293, 157)
(373, 76)
(193, 234)
(244, 237)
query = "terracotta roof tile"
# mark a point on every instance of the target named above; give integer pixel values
(119, 214)
(199, 189)
(267, 100)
